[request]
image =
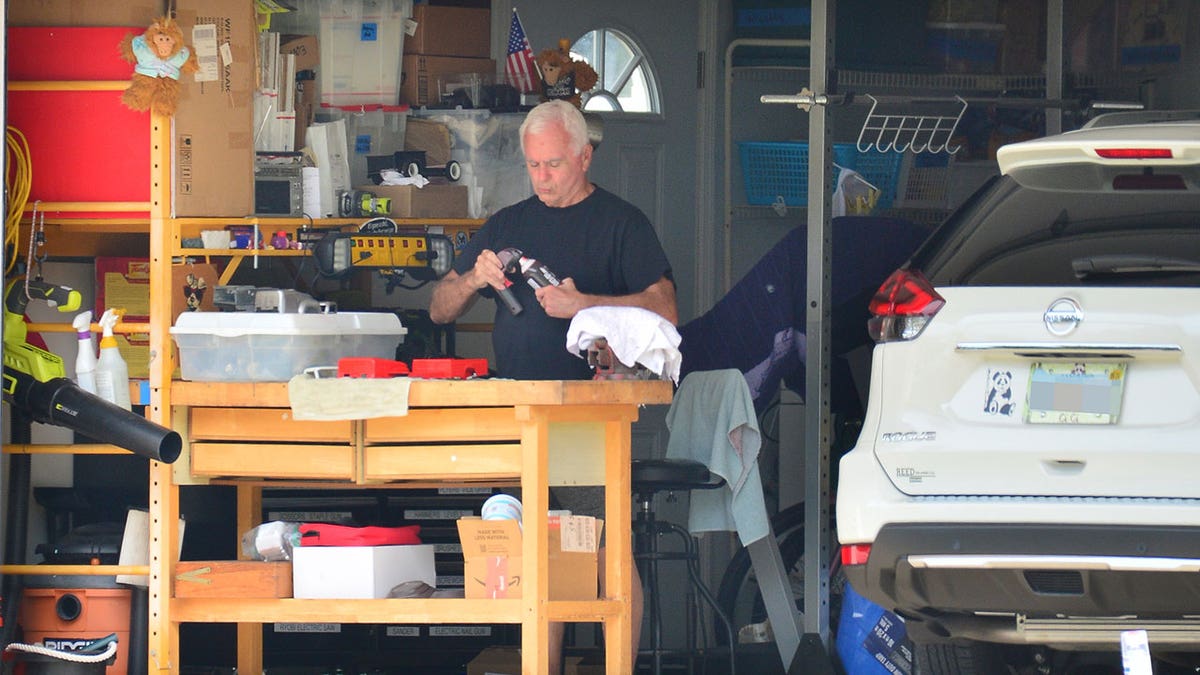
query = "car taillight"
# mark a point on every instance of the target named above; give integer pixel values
(902, 307)
(856, 554)
(1135, 153)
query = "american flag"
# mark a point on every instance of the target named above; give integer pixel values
(519, 66)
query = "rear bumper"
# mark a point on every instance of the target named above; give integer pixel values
(1065, 583)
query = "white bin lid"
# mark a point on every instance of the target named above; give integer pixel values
(236, 324)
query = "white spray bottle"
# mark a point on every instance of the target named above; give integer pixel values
(112, 375)
(85, 360)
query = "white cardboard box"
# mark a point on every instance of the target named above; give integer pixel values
(359, 571)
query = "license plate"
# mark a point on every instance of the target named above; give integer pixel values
(1075, 393)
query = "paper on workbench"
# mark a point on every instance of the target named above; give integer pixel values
(347, 398)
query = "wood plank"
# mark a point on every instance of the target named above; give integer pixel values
(263, 424)
(386, 611)
(254, 460)
(406, 462)
(233, 579)
(444, 393)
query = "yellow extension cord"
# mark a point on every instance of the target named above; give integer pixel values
(18, 179)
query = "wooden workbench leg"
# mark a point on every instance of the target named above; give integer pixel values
(618, 629)
(535, 453)
(249, 635)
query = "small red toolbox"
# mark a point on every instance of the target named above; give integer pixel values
(449, 368)
(370, 366)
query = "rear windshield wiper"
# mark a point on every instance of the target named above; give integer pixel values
(1131, 263)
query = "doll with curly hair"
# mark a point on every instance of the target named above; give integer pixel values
(563, 77)
(160, 57)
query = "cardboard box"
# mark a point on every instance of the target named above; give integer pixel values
(450, 31)
(233, 579)
(501, 660)
(337, 572)
(431, 137)
(213, 167)
(124, 283)
(492, 557)
(308, 54)
(421, 75)
(432, 201)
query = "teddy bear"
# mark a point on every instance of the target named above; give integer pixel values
(563, 77)
(160, 57)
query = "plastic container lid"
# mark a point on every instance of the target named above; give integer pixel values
(237, 324)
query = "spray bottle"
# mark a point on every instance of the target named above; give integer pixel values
(112, 375)
(85, 360)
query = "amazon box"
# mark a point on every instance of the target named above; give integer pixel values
(435, 200)
(213, 140)
(492, 561)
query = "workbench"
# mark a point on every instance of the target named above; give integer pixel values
(456, 432)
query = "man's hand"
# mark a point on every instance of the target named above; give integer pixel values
(562, 301)
(488, 271)
(565, 301)
(455, 293)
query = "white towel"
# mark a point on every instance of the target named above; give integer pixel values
(635, 335)
(347, 398)
(712, 421)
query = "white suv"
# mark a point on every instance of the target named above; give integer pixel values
(1026, 485)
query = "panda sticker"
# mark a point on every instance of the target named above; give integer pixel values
(999, 398)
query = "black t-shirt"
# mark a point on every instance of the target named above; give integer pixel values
(604, 243)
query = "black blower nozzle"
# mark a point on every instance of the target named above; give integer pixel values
(61, 402)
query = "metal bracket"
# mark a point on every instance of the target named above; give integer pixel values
(901, 133)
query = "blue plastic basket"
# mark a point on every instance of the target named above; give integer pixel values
(774, 170)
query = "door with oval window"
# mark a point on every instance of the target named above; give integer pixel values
(645, 56)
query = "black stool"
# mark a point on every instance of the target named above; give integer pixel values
(651, 476)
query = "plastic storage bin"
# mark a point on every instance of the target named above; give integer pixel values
(780, 170)
(362, 42)
(265, 347)
(370, 130)
(487, 146)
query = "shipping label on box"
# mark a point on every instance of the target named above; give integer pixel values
(492, 558)
(450, 31)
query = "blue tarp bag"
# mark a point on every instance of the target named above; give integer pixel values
(870, 639)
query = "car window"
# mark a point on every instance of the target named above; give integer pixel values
(1014, 235)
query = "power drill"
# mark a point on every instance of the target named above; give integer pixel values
(535, 273)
